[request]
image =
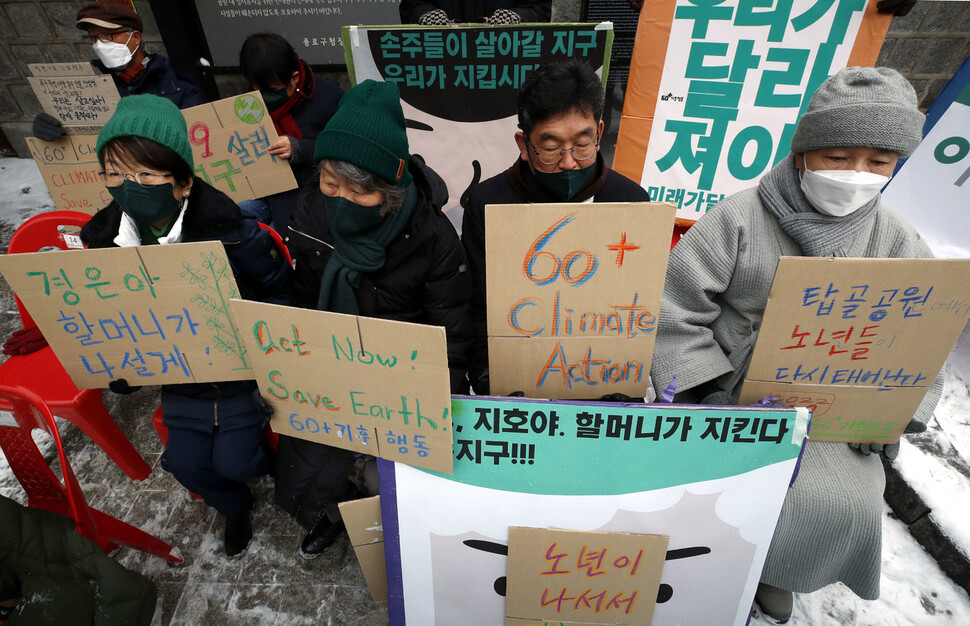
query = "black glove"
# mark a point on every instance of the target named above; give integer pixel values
(24, 341)
(517, 394)
(889, 450)
(47, 127)
(503, 16)
(719, 397)
(261, 404)
(121, 386)
(621, 397)
(896, 7)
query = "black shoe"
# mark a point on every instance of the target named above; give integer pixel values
(776, 603)
(238, 532)
(320, 537)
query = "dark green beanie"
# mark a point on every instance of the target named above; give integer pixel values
(368, 131)
(150, 117)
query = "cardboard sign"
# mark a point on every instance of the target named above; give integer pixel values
(585, 577)
(859, 341)
(71, 171)
(364, 527)
(151, 315)
(230, 145)
(73, 93)
(573, 296)
(369, 385)
(458, 85)
(713, 479)
(716, 90)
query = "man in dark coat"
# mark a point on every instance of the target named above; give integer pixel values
(560, 110)
(115, 32)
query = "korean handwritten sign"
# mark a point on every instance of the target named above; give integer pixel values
(573, 296)
(369, 385)
(859, 341)
(713, 479)
(73, 93)
(586, 577)
(737, 74)
(71, 172)
(458, 85)
(230, 145)
(151, 315)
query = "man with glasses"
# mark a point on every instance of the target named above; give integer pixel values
(114, 30)
(560, 108)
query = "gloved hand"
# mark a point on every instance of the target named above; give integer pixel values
(121, 386)
(503, 16)
(516, 394)
(261, 404)
(24, 341)
(434, 18)
(620, 397)
(720, 397)
(47, 127)
(888, 450)
(896, 7)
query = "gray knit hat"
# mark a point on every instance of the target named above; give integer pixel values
(873, 107)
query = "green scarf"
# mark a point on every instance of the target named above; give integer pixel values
(358, 251)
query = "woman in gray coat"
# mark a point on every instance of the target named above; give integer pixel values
(822, 200)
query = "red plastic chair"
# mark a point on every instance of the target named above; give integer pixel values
(41, 371)
(44, 490)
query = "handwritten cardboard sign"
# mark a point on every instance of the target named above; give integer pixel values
(230, 145)
(582, 576)
(366, 531)
(358, 383)
(859, 341)
(573, 296)
(150, 315)
(75, 94)
(71, 172)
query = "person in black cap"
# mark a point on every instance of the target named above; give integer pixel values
(114, 30)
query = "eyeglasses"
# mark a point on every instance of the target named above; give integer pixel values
(113, 178)
(104, 37)
(582, 151)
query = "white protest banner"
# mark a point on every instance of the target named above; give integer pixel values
(71, 171)
(230, 145)
(369, 385)
(74, 94)
(458, 86)
(573, 296)
(151, 315)
(932, 189)
(712, 479)
(858, 341)
(716, 89)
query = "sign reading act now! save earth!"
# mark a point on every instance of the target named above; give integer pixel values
(363, 384)
(573, 296)
(859, 341)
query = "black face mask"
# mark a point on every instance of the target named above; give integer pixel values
(145, 205)
(566, 183)
(274, 98)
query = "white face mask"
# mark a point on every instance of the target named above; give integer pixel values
(112, 54)
(840, 192)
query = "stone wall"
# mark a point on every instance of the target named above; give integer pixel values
(927, 46)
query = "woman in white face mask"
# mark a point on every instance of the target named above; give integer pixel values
(822, 200)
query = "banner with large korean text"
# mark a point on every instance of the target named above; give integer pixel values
(151, 315)
(374, 386)
(712, 479)
(858, 341)
(459, 83)
(717, 87)
(230, 141)
(932, 189)
(573, 296)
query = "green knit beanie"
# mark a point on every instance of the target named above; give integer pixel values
(368, 131)
(150, 117)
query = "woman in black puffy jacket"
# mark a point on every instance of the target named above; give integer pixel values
(370, 239)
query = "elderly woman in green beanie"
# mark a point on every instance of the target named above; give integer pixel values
(822, 200)
(369, 238)
(215, 430)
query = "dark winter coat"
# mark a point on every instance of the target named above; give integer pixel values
(159, 78)
(517, 185)
(477, 10)
(261, 273)
(63, 578)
